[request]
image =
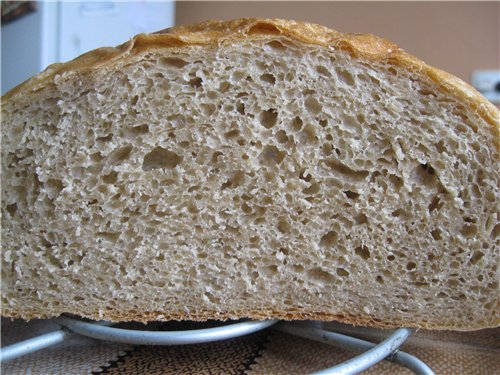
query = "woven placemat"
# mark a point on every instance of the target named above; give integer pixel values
(265, 352)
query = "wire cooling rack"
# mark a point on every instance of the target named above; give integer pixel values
(372, 353)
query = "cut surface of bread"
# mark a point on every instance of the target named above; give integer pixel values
(251, 169)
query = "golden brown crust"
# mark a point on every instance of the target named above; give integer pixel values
(365, 46)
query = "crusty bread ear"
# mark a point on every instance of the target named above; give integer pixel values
(255, 168)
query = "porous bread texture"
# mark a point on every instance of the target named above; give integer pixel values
(263, 178)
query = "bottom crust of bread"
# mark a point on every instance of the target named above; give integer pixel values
(261, 314)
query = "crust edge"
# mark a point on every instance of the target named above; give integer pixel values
(261, 314)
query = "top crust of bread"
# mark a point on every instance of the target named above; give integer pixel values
(214, 32)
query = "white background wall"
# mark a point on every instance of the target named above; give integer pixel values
(61, 31)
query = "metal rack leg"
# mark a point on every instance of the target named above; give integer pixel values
(32, 345)
(373, 353)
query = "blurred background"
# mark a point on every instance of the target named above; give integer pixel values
(462, 38)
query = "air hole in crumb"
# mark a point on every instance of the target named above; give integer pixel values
(120, 155)
(344, 170)
(411, 266)
(267, 201)
(284, 251)
(363, 252)
(260, 221)
(361, 219)
(390, 258)
(441, 147)
(215, 156)
(173, 62)
(246, 197)
(312, 105)
(495, 232)
(271, 270)
(162, 158)
(393, 71)
(351, 194)
(92, 202)
(308, 135)
(246, 208)
(269, 78)
(255, 240)
(11, 209)
(269, 118)
(224, 86)
(96, 157)
(53, 187)
(379, 279)
(493, 285)
(283, 226)
(196, 82)
(435, 204)
(342, 272)
(109, 236)
(399, 213)
(327, 149)
(271, 155)
(312, 189)
(296, 124)
(136, 131)
(231, 134)
(469, 230)
(236, 179)
(424, 175)
(192, 208)
(303, 176)
(208, 109)
(323, 71)
(276, 45)
(110, 178)
(345, 76)
(426, 92)
(396, 181)
(436, 234)
(321, 276)
(476, 257)
(328, 240)
(240, 108)
(281, 136)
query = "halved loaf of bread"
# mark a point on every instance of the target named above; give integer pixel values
(251, 169)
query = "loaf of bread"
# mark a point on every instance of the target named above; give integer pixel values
(251, 169)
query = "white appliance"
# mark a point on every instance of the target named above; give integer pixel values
(61, 31)
(487, 82)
